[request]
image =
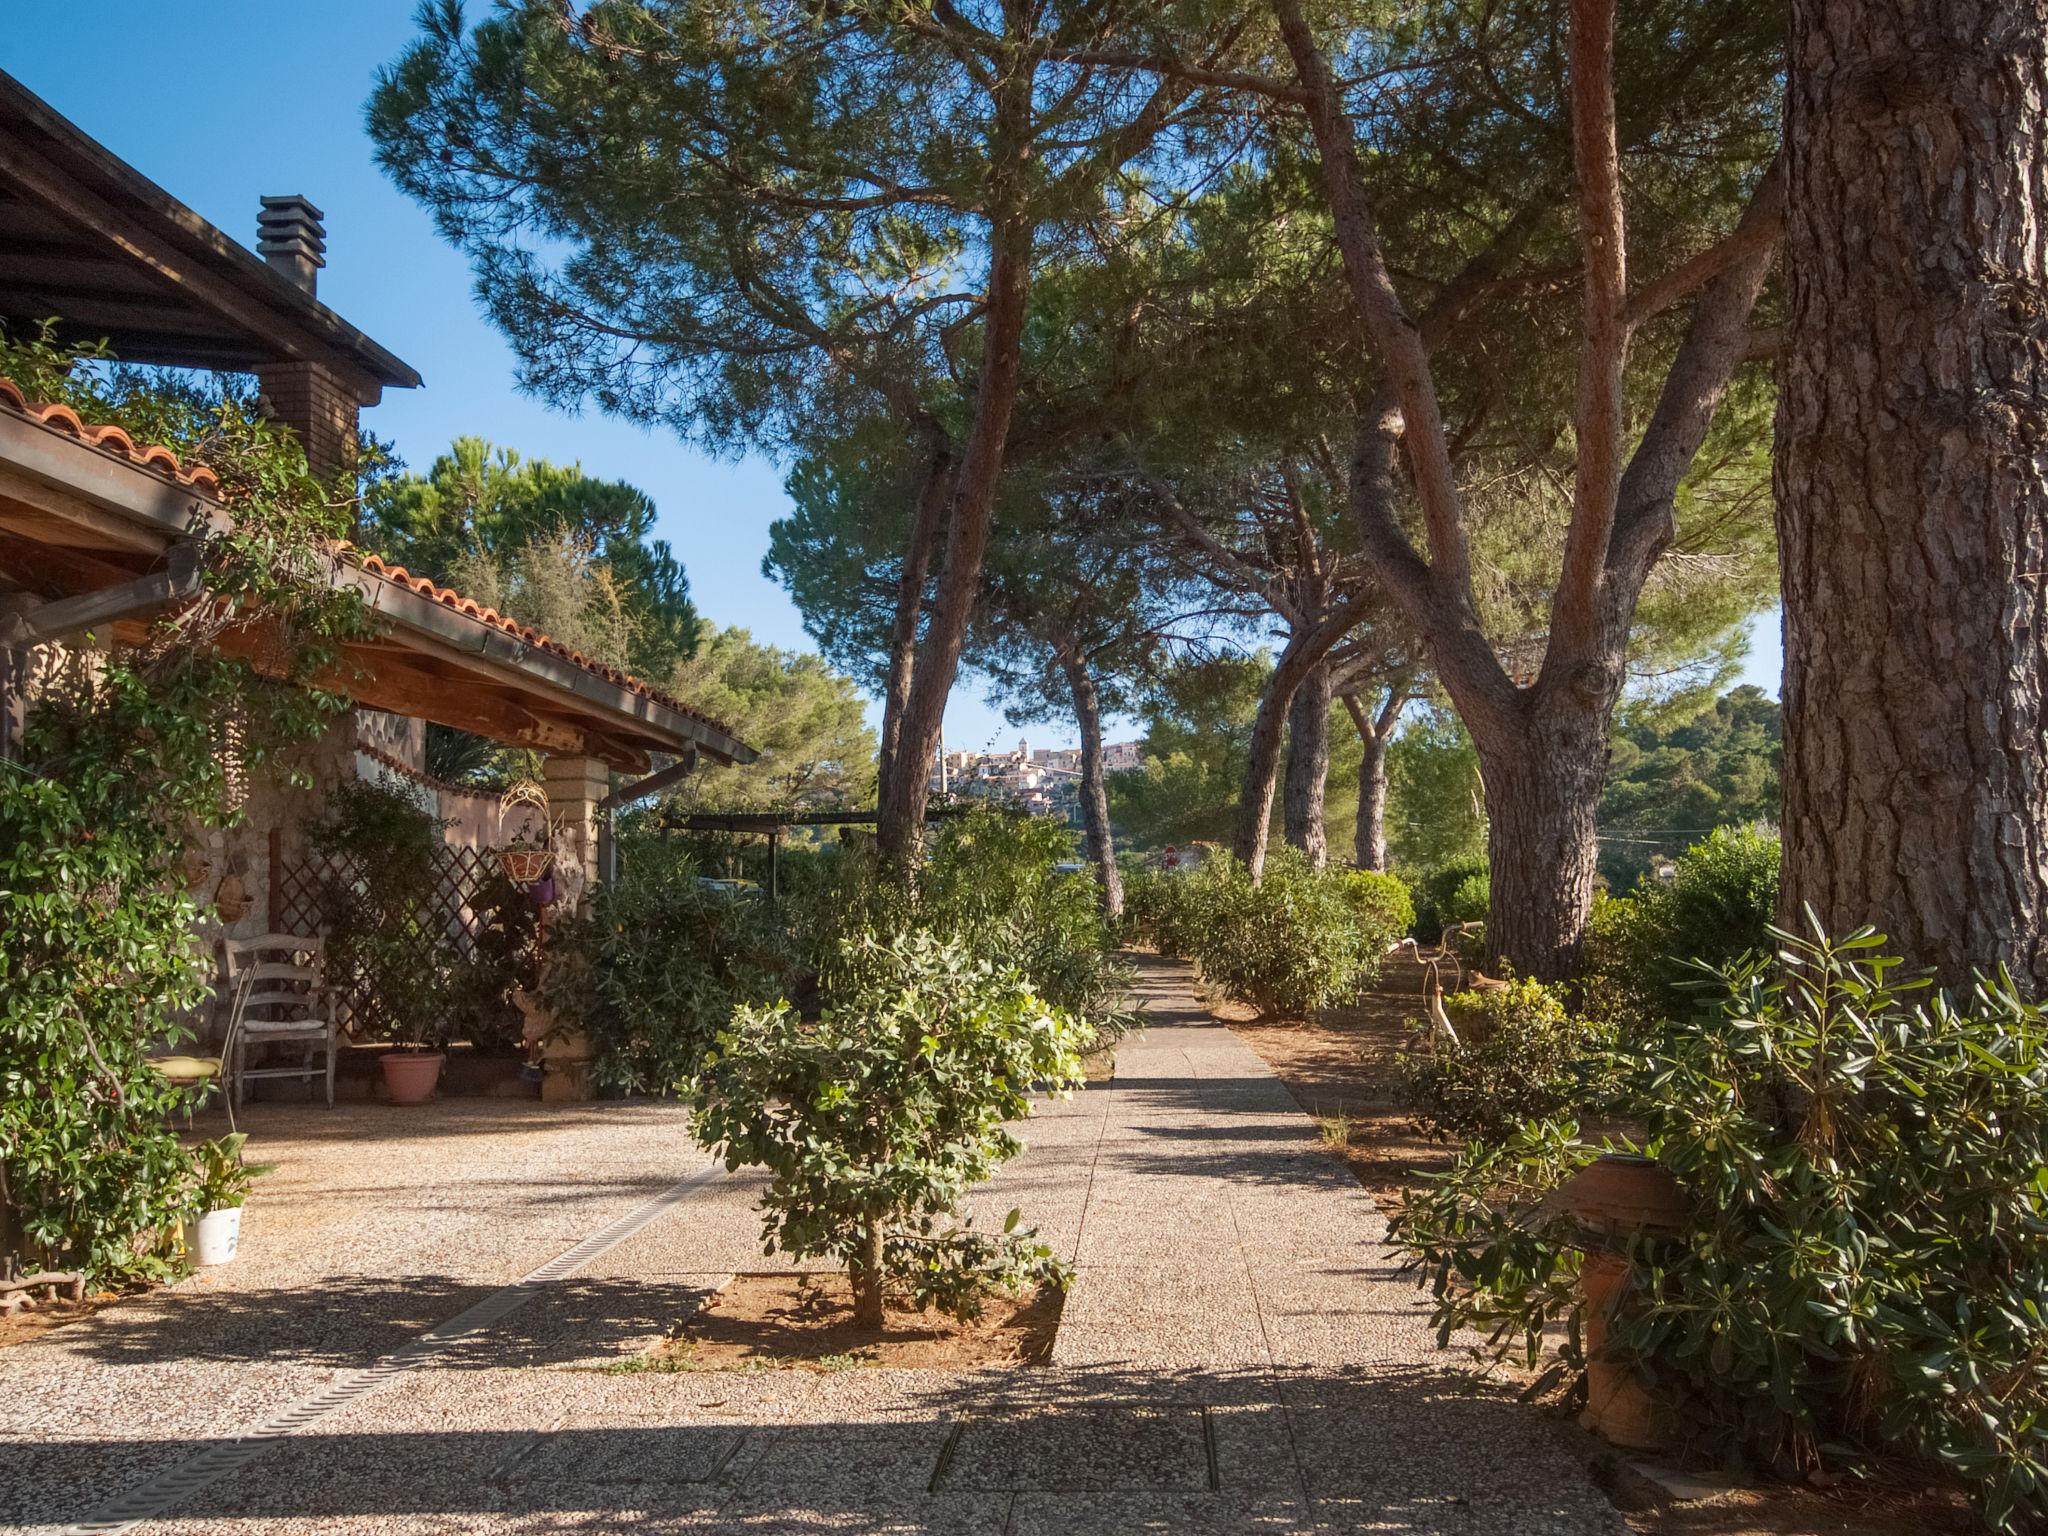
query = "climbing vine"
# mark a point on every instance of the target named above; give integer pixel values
(125, 755)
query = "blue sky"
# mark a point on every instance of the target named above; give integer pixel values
(220, 101)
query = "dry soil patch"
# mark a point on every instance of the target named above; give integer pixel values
(770, 1321)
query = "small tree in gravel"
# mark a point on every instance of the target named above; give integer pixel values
(874, 1118)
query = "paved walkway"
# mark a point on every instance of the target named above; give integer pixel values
(1237, 1355)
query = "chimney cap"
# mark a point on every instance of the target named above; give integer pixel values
(289, 231)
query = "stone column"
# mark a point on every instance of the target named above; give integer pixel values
(575, 785)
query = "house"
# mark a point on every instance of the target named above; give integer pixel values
(96, 530)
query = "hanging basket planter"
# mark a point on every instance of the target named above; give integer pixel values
(524, 866)
(528, 857)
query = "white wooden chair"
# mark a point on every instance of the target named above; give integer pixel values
(279, 998)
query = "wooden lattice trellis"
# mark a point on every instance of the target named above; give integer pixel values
(312, 895)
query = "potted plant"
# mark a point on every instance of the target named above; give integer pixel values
(224, 1183)
(412, 1071)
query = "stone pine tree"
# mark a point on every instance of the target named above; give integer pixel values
(1912, 478)
(732, 219)
(1541, 738)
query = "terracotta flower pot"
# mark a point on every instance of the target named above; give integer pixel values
(1618, 1195)
(1618, 1199)
(410, 1076)
(1620, 1408)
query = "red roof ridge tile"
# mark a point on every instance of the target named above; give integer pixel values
(116, 443)
(448, 597)
(109, 439)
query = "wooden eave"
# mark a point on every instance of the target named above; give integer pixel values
(75, 519)
(89, 241)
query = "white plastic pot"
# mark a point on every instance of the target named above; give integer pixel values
(220, 1233)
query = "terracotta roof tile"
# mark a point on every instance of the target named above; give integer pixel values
(448, 597)
(112, 440)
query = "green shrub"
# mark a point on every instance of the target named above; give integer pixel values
(1645, 950)
(99, 963)
(1383, 902)
(989, 881)
(1868, 1262)
(1295, 942)
(874, 1119)
(1452, 892)
(655, 964)
(1523, 1057)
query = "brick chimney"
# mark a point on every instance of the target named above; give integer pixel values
(307, 397)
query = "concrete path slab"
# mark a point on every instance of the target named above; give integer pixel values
(1237, 1356)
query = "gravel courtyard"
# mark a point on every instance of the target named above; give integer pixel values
(1237, 1354)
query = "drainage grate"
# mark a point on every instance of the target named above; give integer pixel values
(217, 1460)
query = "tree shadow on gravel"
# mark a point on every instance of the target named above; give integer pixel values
(352, 1321)
(1407, 1450)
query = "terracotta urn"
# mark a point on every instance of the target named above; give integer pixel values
(1616, 1199)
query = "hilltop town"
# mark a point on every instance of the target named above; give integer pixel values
(1045, 781)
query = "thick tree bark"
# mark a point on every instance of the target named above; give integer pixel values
(1912, 479)
(1094, 788)
(1308, 767)
(917, 557)
(1542, 792)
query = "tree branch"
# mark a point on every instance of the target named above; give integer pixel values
(1603, 355)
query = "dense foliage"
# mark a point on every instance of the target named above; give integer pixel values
(655, 965)
(1298, 940)
(807, 722)
(1455, 891)
(560, 549)
(1679, 767)
(1645, 949)
(876, 1117)
(1522, 1056)
(99, 957)
(659, 960)
(1868, 1259)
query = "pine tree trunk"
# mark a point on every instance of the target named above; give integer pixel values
(1262, 760)
(917, 559)
(1542, 797)
(1369, 844)
(900, 825)
(1094, 788)
(1308, 767)
(866, 1275)
(1375, 735)
(1912, 479)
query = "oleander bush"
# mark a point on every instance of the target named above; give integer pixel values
(1868, 1263)
(1382, 901)
(1455, 891)
(875, 1117)
(658, 963)
(1298, 940)
(655, 965)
